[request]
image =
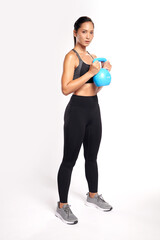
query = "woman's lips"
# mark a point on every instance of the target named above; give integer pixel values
(87, 41)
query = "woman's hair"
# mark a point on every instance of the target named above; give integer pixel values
(78, 23)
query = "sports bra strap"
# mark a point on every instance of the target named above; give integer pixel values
(78, 54)
(90, 54)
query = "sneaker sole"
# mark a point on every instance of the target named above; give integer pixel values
(95, 206)
(70, 223)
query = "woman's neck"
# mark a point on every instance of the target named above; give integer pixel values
(80, 48)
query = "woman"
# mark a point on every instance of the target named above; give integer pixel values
(82, 120)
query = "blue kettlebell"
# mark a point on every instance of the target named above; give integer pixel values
(103, 77)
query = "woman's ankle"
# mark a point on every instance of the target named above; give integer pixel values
(92, 194)
(61, 204)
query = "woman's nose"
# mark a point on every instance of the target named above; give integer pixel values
(88, 35)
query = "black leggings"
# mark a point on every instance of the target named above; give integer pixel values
(82, 124)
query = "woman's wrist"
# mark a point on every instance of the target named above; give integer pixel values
(90, 74)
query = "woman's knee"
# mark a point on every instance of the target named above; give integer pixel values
(68, 164)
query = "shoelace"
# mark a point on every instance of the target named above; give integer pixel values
(99, 197)
(67, 210)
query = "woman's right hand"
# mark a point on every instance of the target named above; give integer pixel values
(94, 67)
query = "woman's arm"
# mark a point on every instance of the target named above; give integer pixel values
(98, 88)
(68, 85)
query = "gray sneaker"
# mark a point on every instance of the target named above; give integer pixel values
(98, 202)
(65, 214)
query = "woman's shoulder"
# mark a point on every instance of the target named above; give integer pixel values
(70, 55)
(70, 59)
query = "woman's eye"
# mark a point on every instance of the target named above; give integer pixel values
(90, 32)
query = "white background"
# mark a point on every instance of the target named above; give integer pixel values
(35, 36)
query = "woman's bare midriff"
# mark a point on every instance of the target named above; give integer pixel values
(88, 89)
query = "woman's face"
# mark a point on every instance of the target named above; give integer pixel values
(85, 33)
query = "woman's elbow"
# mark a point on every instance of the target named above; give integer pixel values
(64, 91)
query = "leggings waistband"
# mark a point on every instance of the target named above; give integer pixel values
(79, 96)
(82, 100)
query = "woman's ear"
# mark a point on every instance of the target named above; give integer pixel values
(74, 33)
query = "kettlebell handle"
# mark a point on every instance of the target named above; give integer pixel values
(100, 59)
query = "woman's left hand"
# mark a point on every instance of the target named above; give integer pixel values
(106, 65)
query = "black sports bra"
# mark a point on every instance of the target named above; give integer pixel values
(82, 68)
